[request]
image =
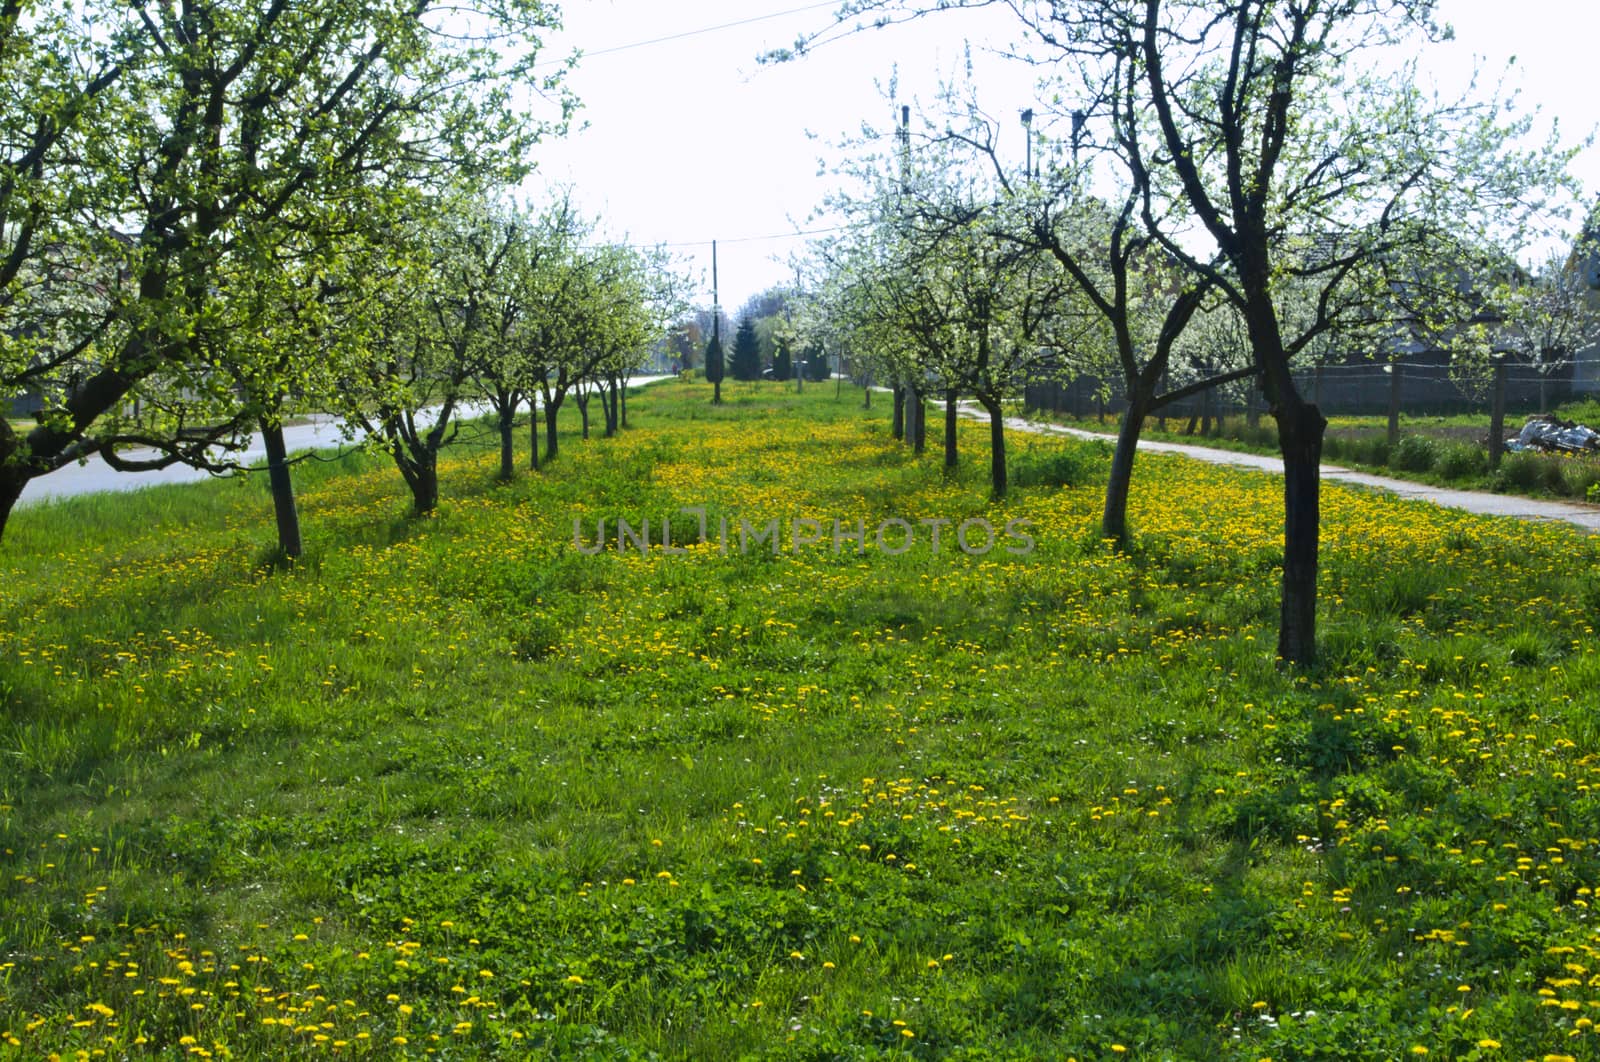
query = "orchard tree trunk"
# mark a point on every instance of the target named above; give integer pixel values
(899, 422)
(716, 393)
(533, 434)
(919, 401)
(278, 478)
(11, 484)
(1497, 415)
(583, 414)
(950, 428)
(622, 405)
(421, 472)
(997, 445)
(1114, 515)
(1300, 430)
(551, 445)
(508, 443)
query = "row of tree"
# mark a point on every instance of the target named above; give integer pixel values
(216, 213)
(1231, 191)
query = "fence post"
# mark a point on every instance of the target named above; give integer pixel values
(1395, 377)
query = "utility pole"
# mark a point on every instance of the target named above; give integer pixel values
(716, 330)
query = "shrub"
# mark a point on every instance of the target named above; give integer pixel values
(1461, 461)
(1363, 450)
(1050, 468)
(1523, 470)
(1414, 453)
(1580, 477)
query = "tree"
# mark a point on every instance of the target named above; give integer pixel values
(782, 365)
(714, 365)
(746, 361)
(441, 319)
(1117, 271)
(227, 124)
(1253, 123)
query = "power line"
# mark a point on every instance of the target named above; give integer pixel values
(762, 239)
(700, 32)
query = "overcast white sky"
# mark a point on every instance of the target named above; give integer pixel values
(689, 140)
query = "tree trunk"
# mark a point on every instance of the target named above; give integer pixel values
(950, 428)
(533, 434)
(899, 422)
(919, 442)
(423, 479)
(997, 446)
(1300, 429)
(11, 484)
(282, 489)
(1114, 516)
(613, 415)
(583, 414)
(622, 405)
(716, 393)
(508, 443)
(1205, 414)
(1497, 415)
(551, 444)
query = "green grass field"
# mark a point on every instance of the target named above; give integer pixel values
(456, 787)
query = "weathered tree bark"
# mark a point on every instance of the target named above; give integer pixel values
(919, 401)
(551, 443)
(508, 442)
(899, 422)
(11, 484)
(997, 445)
(1114, 514)
(421, 473)
(282, 485)
(1300, 430)
(950, 428)
(1497, 415)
